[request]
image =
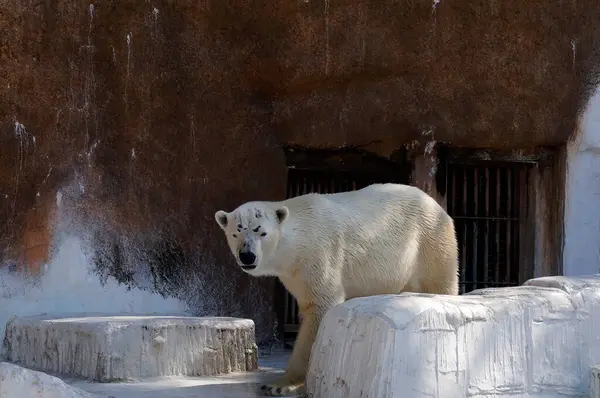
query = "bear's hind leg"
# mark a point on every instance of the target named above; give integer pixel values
(292, 381)
(442, 282)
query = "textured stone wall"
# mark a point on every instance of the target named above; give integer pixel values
(144, 118)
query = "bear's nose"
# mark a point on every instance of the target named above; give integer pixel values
(247, 258)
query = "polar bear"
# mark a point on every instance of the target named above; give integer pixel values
(328, 248)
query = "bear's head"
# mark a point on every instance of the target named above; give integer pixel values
(253, 231)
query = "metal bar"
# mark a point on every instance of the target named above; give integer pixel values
(294, 309)
(286, 318)
(525, 244)
(519, 261)
(486, 232)
(475, 242)
(291, 319)
(453, 197)
(463, 262)
(508, 224)
(521, 200)
(497, 214)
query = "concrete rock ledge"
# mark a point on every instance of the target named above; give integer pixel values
(108, 348)
(18, 382)
(537, 340)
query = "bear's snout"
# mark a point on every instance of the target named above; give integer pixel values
(247, 258)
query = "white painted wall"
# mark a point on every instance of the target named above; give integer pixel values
(537, 340)
(70, 286)
(581, 254)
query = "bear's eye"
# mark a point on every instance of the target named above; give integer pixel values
(263, 234)
(256, 229)
(234, 235)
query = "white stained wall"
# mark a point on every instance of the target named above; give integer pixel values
(581, 255)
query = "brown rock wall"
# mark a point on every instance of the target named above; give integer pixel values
(150, 116)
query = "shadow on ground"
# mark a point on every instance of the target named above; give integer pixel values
(238, 385)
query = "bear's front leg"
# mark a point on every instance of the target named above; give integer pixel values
(292, 381)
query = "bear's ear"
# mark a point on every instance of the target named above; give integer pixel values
(282, 214)
(221, 218)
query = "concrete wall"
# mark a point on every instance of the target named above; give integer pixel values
(537, 340)
(582, 200)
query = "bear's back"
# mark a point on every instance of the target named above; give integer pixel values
(374, 198)
(377, 208)
(377, 235)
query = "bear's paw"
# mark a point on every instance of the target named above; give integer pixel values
(283, 388)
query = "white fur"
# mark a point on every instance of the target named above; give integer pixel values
(328, 248)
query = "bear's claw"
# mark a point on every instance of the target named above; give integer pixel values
(279, 390)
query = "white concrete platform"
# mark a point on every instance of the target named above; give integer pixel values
(18, 382)
(109, 348)
(538, 340)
